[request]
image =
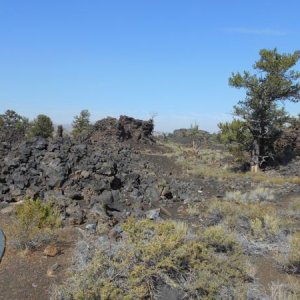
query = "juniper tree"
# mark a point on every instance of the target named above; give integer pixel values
(81, 123)
(274, 81)
(41, 126)
(13, 127)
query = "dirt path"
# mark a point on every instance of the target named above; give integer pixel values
(24, 276)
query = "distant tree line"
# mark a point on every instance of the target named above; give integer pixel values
(259, 124)
(14, 127)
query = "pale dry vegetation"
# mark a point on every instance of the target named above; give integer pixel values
(157, 256)
(285, 291)
(257, 220)
(219, 164)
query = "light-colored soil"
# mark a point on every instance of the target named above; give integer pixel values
(24, 275)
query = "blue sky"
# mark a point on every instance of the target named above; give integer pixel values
(171, 58)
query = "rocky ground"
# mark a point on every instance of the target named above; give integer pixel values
(119, 170)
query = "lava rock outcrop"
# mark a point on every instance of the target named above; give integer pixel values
(101, 174)
(123, 129)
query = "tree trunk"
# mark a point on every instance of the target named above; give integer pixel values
(255, 154)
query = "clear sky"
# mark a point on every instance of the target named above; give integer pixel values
(168, 57)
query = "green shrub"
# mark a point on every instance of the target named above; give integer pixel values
(34, 224)
(13, 127)
(236, 136)
(258, 220)
(294, 253)
(161, 254)
(41, 126)
(81, 123)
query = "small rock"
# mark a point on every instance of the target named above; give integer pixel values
(51, 250)
(106, 197)
(108, 169)
(7, 210)
(118, 229)
(153, 214)
(152, 194)
(85, 174)
(51, 271)
(91, 227)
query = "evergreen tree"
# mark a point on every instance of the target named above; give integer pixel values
(274, 81)
(81, 123)
(13, 126)
(42, 126)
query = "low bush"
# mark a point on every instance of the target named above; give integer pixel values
(41, 126)
(287, 291)
(258, 220)
(293, 262)
(193, 209)
(257, 195)
(34, 224)
(162, 257)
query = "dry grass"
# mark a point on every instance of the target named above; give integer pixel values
(293, 259)
(155, 255)
(258, 220)
(256, 195)
(288, 291)
(256, 177)
(215, 164)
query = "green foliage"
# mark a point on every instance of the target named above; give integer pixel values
(294, 253)
(13, 126)
(165, 253)
(81, 123)
(236, 136)
(42, 126)
(257, 219)
(273, 82)
(34, 223)
(10, 119)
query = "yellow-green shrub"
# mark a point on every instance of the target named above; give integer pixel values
(262, 219)
(294, 253)
(166, 253)
(34, 223)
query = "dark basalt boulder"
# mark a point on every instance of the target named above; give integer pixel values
(123, 129)
(102, 174)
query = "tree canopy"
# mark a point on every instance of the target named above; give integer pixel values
(41, 126)
(13, 126)
(81, 123)
(274, 81)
